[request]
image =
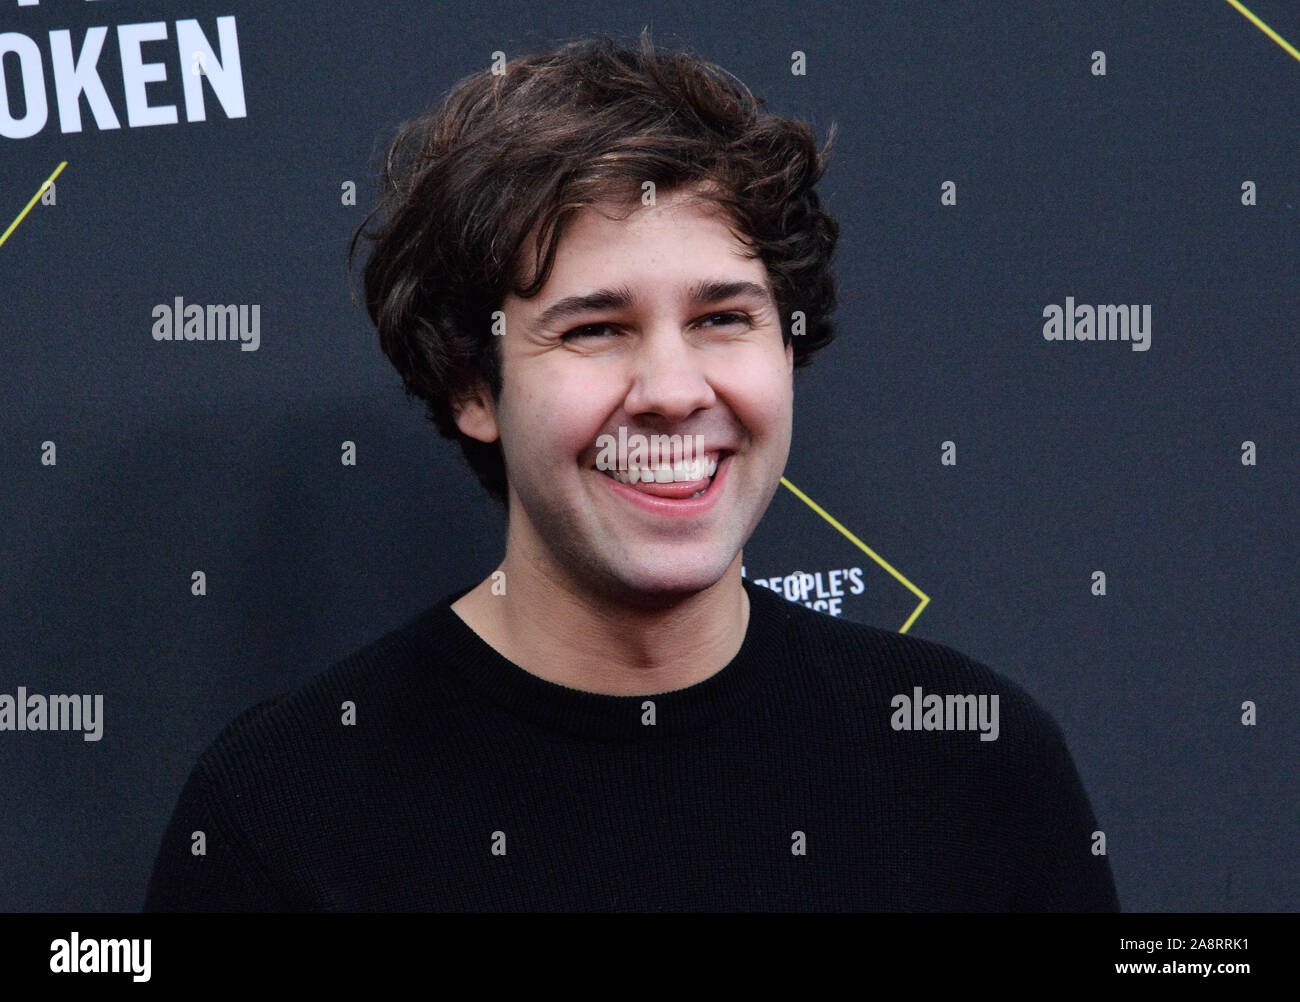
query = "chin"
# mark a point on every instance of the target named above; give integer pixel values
(662, 580)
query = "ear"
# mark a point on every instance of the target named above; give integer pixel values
(476, 414)
(789, 355)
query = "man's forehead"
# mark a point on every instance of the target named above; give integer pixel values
(573, 276)
(697, 292)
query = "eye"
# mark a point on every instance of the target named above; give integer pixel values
(596, 330)
(588, 330)
(732, 319)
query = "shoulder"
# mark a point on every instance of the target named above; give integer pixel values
(280, 787)
(362, 706)
(867, 676)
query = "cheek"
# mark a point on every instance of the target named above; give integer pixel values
(559, 410)
(763, 403)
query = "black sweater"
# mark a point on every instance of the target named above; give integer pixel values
(464, 783)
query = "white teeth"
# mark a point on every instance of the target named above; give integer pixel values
(696, 469)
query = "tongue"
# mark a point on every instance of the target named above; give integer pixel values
(673, 489)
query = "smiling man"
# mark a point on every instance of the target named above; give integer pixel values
(655, 325)
(619, 245)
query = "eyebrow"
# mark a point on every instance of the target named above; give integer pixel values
(702, 293)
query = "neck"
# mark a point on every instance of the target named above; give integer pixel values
(552, 627)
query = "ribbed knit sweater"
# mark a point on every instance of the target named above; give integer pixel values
(458, 781)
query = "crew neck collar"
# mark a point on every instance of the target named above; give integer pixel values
(600, 716)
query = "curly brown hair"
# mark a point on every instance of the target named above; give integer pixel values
(508, 153)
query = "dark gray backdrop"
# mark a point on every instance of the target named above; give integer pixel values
(1072, 457)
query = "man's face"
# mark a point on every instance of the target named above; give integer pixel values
(654, 361)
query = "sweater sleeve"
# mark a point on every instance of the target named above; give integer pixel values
(1063, 873)
(227, 877)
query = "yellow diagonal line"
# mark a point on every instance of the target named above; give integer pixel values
(1266, 29)
(925, 599)
(41, 191)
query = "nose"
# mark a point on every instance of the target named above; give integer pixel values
(668, 377)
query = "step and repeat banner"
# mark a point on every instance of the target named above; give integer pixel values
(1056, 429)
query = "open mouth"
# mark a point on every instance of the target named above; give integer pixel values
(677, 482)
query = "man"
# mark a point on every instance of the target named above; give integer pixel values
(618, 246)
